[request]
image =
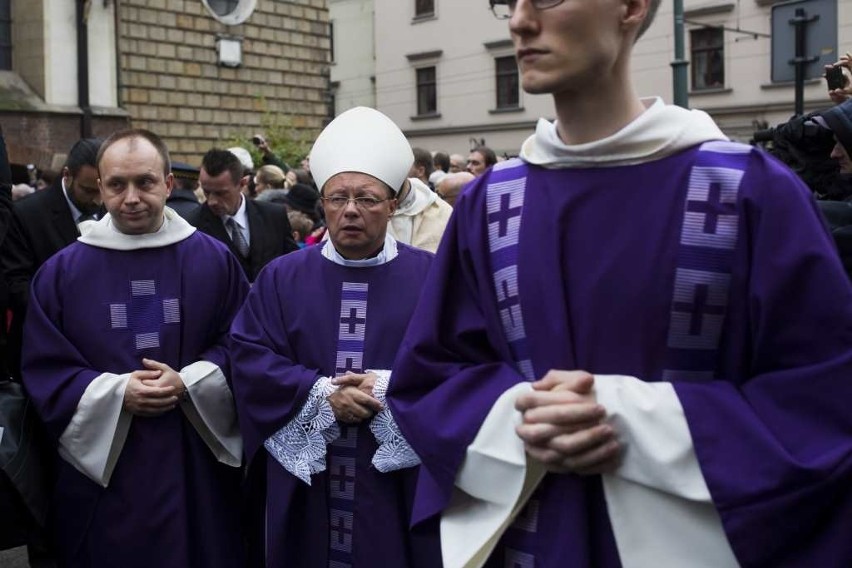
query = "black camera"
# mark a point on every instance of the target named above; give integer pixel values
(835, 78)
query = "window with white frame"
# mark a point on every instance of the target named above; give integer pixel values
(230, 12)
(707, 46)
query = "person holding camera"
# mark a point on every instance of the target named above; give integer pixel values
(267, 156)
(838, 76)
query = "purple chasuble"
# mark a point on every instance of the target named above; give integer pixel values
(621, 270)
(308, 317)
(169, 502)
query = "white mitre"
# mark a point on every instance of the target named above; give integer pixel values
(362, 140)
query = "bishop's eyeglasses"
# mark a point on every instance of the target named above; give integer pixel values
(337, 202)
(503, 9)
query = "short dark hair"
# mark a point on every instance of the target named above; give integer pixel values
(83, 153)
(488, 154)
(442, 160)
(155, 141)
(423, 159)
(216, 161)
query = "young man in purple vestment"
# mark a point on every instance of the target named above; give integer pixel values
(126, 362)
(634, 347)
(331, 478)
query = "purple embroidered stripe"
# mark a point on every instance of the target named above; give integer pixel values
(342, 452)
(505, 202)
(703, 273)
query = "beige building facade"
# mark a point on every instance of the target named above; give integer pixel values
(442, 69)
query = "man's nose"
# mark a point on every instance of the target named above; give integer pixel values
(132, 193)
(350, 209)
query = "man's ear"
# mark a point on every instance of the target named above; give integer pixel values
(634, 13)
(170, 183)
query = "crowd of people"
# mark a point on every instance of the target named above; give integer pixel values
(629, 346)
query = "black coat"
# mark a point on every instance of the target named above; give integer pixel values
(183, 201)
(41, 225)
(270, 235)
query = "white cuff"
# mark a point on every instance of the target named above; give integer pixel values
(94, 438)
(300, 446)
(211, 411)
(658, 502)
(494, 483)
(393, 452)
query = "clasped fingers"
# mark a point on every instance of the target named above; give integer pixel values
(590, 451)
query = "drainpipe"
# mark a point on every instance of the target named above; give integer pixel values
(679, 77)
(83, 70)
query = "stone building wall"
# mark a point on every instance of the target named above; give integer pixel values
(170, 81)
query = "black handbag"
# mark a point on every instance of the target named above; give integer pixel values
(23, 485)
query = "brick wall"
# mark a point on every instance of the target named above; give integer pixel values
(44, 138)
(170, 82)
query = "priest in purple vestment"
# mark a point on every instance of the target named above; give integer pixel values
(126, 361)
(634, 347)
(331, 478)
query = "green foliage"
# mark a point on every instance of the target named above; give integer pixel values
(286, 140)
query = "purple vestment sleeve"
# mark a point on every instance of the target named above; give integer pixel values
(269, 386)
(449, 337)
(58, 374)
(775, 442)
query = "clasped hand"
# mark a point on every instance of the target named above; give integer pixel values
(154, 390)
(565, 428)
(353, 401)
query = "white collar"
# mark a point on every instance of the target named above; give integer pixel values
(387, 254)
(75, 213)
(104, 234)
(660, 131)
(419, 197)
(240, 216)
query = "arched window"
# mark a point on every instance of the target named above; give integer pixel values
(230, 12)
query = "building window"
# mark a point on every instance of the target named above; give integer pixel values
(230, 12)
(708, 58)
(6, 34)
(427, 91)
(507, 82)
(423, 8)
(223, 7)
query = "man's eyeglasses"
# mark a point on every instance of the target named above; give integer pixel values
(337, 202)
(503, 9)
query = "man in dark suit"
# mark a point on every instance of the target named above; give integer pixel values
(255, 232)
(44, 223)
